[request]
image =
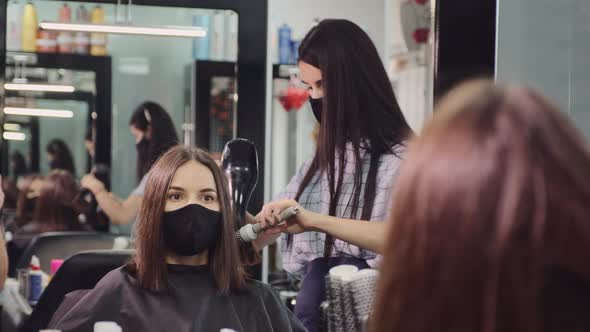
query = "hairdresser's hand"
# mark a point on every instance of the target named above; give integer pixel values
(270, 215)
(91, 183)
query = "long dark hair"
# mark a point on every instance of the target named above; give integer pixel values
(490, 226)
(163, 134)
(55, 206)
(19, 165)
(62, 157)
(25, 205)
(359, 108)
(149, 262)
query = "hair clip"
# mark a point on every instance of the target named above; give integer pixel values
(147, 115)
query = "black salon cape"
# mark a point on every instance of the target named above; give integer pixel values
(191, 303)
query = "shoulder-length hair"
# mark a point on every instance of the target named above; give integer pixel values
(149, 261)
(359, 109)
(490, 228)
(163, 134)
(25, 212)
(55, 206)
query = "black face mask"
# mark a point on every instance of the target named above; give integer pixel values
(53, 164)
(317, 107)
(142, 145)
(191, 230)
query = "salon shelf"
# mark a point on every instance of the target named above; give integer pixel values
(59, 60)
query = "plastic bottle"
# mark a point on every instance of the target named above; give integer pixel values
(107, 327)
(284, 44)
(55, 265)
(65, 40)
(35, 280)
(46, 42)
(14, 16)
(98, 41)
(29, 28)
(82, 39)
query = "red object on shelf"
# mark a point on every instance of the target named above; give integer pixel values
(46, 42)
(293, 98)
(421, 2)
(421, 35)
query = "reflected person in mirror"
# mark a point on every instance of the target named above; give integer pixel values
(60, 156)
(154, 134)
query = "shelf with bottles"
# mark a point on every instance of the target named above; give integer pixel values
(24, 20)
(23, 32)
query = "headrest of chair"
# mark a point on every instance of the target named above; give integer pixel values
(97, 259)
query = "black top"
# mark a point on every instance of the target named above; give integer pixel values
(190, 303)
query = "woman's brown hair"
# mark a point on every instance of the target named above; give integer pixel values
(149, 262)
(490, 227)
(54, 209)
(24, 211)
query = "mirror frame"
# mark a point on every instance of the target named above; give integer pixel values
(465, 42)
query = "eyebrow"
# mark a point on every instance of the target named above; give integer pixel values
(202, 190)
(176, 188)
(316, 82)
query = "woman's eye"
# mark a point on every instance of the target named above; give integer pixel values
(175, 197)
(209, 198)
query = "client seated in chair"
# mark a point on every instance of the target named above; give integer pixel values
(187, 273)
(54, 212)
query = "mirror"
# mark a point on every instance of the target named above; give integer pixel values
(191, 77)
(30, 136)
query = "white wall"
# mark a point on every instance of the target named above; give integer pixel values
(369, 14)
(545, 44)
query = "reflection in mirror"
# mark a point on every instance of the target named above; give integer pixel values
(56, 115)
(161, 69)
(49, 129)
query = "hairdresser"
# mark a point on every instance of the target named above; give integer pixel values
(344, 191)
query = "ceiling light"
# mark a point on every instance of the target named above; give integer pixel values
(38, 112)
(14, 136)
(11, 126)
(39, 87)
(172, 31)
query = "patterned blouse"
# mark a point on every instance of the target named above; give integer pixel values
(316, 197)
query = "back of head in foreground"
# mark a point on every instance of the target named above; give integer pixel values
(490, 226)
